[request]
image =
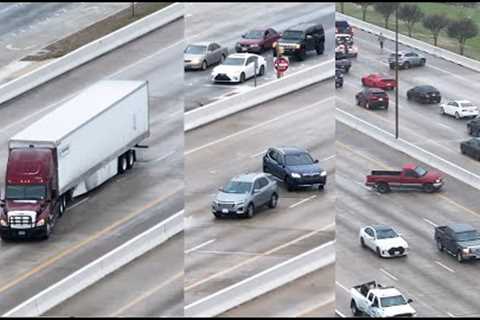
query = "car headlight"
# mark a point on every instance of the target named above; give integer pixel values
(239, 203)
(323, 173)
(466, 251)
(297, 46)
(40, 222)
(3, 223)
(195, 61)
(296, 175)
(438, 181)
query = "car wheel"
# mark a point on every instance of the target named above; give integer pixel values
(289, 184)
(367, 105)
(362, 242)
(383, 187)
(250, 211)
(242, 78)
(262, 71)
(462, 150)
(379, 254)
(406, 65)
(470, 130)
(217, 215)
(353, 307)
(409, 96)
(301, 55)
(457, 116)
(439, 245)
(460, 256)
(273, 201)
(319, 50)
(428, 187)
(222, 58)
(204, 65)
(422, 62)
(321, 187)
(442, 111)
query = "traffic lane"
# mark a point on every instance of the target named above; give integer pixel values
(437, 275)
(251, 133)
(27, 27)
(103, 219)
(200, 90)
(309, 296)
(148, 286)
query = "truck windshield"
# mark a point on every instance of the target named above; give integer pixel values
(298, 159)
(237, 187)
(30, 192)
(420, 171)
(467, 235)
(392, 301)
(292, 35)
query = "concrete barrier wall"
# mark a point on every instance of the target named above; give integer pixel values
(99, 268)
(90, 51)
(263, 282)
(268, 91)
(413, 43)
(409, 148)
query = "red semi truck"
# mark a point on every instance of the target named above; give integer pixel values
(70, 151)
(411, 177)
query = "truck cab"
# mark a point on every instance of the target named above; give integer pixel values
(30, 197)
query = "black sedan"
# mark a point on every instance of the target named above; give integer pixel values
(338, 78)
(471, 148)
(424, 94)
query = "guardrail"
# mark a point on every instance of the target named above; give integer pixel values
(96, 270)
(90, 51)
(265, 92)
(263, 282)
(413, 43)
(409, 148)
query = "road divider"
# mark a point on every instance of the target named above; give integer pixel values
(96, 270)
(408, 148)
(223, 108)
(90, 51)
(413, 43)
(263, 282)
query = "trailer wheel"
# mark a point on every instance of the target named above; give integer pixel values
(122, 164)
(130, 159)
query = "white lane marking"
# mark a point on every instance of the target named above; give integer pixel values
(237, 253)
(342, 286)
(258, 153)
(302, 201)
(430, 222)
(79, 203)
(162, 157)
(444, 266)
(451, 315)
(328, 158)
(318, 306)
(391, 276)
(340, 314)
(201, 245)
(262, 124)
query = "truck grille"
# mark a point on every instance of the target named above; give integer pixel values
(20, 222)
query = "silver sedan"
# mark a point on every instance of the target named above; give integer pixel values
(203, 54)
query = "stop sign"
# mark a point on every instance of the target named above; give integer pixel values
(281, 64)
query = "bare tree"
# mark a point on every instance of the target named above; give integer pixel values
(386, 9)
(342, 7)
(364, 6)
(411, 14)
(462, 30)
(435, 23)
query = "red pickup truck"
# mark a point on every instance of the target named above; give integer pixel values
(411, 177)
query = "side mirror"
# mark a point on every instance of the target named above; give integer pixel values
(256, 191)
(244, 35)
(220, 189)
(316, 161)
(409, 300)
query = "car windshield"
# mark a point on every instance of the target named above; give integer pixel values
(254, 34)
(420, 171)
(467, 235)
(234, 61)
(293, 35)
(195, 49)
(378, 94)
(237, 187)
(392, 301)
(386, 234)
(30, 192)
(298, 159)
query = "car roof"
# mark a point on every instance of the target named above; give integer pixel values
(461, 227)
(248, 177)
(344, 22)
(304, 26)
(291, 150)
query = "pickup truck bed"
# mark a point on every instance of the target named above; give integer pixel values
(385, 173)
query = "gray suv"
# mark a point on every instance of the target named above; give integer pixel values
(407, 60)
(244, 194)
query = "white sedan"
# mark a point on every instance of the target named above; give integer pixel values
(384, 240)
(239, 67)
(459, 109)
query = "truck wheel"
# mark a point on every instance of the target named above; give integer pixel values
(383, 187)
(122, 164)
(48, 230)
(353, 307)
(439, 245)
(61, 206)
(428, 187)
(273, 201)
(250, 211)
(130, 159)
(460, 256)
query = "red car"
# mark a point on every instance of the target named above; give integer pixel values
(377, 80)
(372, 98)
(257, 40)
(410, 177)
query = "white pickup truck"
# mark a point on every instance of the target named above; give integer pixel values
(378, 301)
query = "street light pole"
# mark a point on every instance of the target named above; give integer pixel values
(396, 73)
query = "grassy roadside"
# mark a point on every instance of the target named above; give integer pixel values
(96, 31)
(472, 47)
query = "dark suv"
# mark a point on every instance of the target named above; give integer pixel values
(298, 40)
(295, 167)
(372, 98)
(473, 126)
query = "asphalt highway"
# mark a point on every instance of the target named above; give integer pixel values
(126, 205)
(223, 252)
(438, 284)
(226, 22)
